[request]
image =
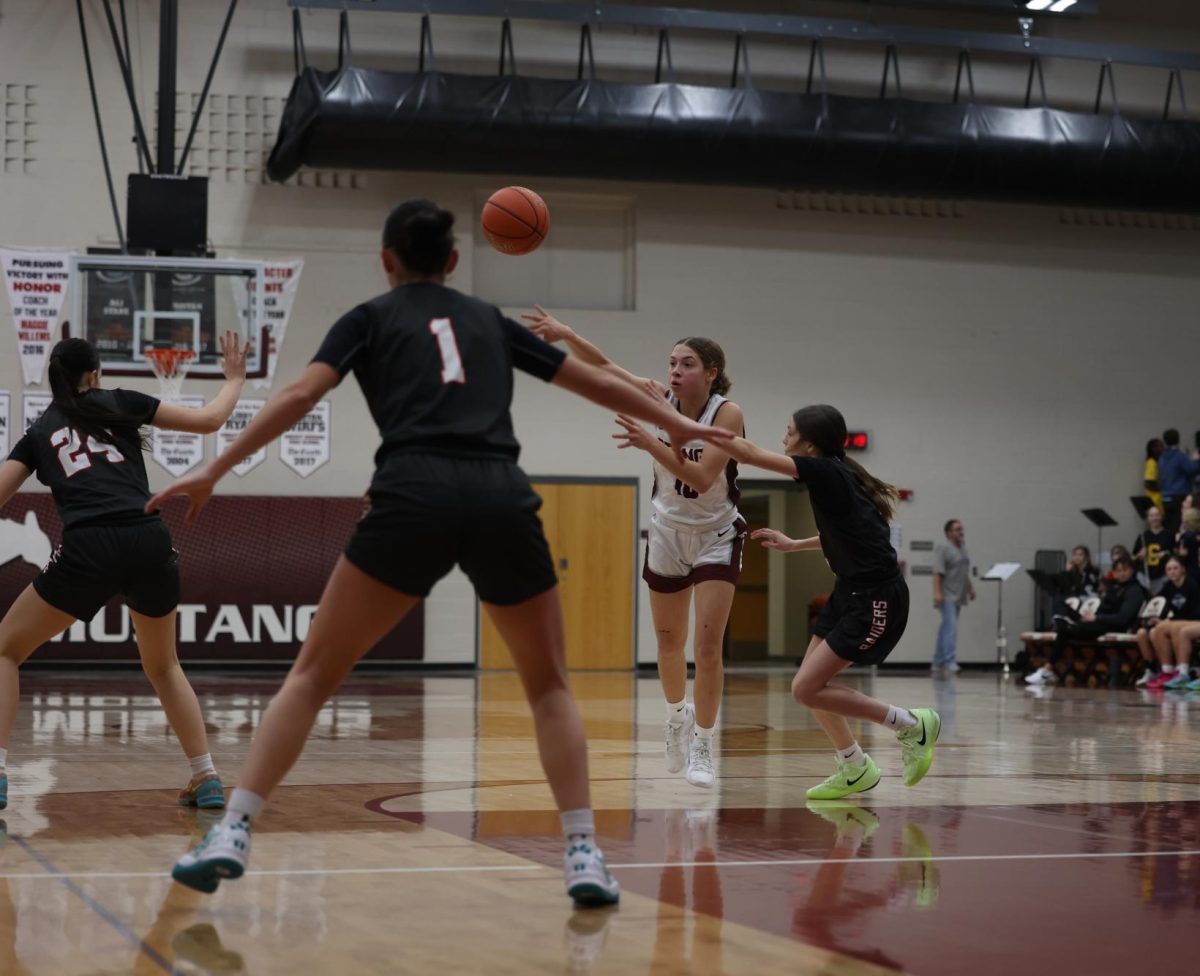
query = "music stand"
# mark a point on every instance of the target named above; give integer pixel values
(1101, 520)
(1000, 572)
(1141, 504)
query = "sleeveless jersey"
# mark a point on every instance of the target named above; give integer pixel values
(682, 507)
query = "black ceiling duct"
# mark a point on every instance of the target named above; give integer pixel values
(355, 118)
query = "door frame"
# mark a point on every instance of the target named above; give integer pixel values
(568, 479)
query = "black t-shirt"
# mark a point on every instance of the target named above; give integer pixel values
(1188, 548)
(854, 535)
(435, 367)
(91, 480)
(1183, 602)
(1158, 547)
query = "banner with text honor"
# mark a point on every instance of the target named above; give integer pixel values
(177, 451)
(243, 413)
(33, 405)
(37, 286)
(305, 447)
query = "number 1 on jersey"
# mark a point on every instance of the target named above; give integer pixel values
(452, 364)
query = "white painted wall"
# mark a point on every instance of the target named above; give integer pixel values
(1009, 363)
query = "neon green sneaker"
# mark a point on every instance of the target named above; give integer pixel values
(916, 744)
(918, 871)
(848, 818)
(846, 781)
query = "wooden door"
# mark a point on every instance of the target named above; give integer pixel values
(590, 528)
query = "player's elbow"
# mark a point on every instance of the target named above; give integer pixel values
(300, 395)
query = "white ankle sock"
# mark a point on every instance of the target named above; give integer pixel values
(1168, 669)
(703, 733)
(202, 764)
(3, 760)
(854, 756)
(578, 824)
(676, 712)
(243, 805)
(899, 718)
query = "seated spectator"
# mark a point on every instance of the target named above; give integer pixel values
(1116, 552)
(1151, 549)
(1083, 577)
(1117, 613)
(1182, 596)
(1154, 447)
(1187, 547)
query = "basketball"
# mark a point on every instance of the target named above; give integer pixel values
(515, 220)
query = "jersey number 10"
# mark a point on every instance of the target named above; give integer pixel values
(452, 364)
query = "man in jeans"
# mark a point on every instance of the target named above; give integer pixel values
(1175, 473)
(952, 589)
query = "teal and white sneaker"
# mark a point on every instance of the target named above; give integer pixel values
(3, 790)
(1181, 680)
(207, 794)
(917, 742)
(848, 780)
(588, 882)
(223, 853)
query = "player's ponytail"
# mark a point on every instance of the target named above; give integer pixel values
(824, 427)
(420, 234)
(712, 356)
(69, 361)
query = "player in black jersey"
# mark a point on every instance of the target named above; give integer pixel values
(865, 617)
(87, 449)
(436, 369)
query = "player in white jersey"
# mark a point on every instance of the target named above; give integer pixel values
(695, 539)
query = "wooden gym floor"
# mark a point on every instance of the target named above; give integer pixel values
(1057, 833)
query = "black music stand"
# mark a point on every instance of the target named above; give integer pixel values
(1141, 504)
(1101, 520)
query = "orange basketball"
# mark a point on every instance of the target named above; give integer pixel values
(515, 220)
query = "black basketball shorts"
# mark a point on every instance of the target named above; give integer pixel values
(429, 513)
(96, 563)
(864, 625)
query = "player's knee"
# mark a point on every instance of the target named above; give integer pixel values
(804, 692)
(708, 656)
(158, 668)
(670, 641)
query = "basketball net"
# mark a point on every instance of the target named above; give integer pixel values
(170, 366)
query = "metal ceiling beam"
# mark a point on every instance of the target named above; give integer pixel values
(779, 26)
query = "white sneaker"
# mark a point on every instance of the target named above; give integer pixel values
(954, 667)
(223, 853)
(679, 740)
(585, 935)
(700, 764)
(1146, 678)
(1039, 677)
(588, 882)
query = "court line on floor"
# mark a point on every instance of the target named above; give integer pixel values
(113, 922)
(500, 869)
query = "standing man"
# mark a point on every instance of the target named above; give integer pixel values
(952, 589)
(1151, 549)
(1175, 473)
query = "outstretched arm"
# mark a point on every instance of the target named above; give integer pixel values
(209, 418)
(602, 387)
(12, 476)
(281, 413)
(747, 452)
(774, 539)
(698, 475)
(546, 326)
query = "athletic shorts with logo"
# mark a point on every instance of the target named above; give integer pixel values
(864, 624)
(430, 512)
(100, 561)
(677, 559)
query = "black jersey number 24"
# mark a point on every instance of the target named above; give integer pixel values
(452, 364)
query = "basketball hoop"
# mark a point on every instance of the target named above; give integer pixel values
(170, 366)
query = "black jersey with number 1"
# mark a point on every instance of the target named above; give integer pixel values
(435, 367)
(92, 481)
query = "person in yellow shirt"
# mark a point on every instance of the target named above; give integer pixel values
(1154, 447)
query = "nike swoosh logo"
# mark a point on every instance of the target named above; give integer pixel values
(851, 782)
(922, 742)
(719, 534)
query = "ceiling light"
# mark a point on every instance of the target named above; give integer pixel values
(1039, 4)
(1062, 5)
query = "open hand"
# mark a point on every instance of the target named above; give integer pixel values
(633, 434)
(234, 355)
(773, 539)
(546, 327)
(197, 486)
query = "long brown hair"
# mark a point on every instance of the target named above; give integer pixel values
(712, 356)
(824, 427)
(69, 361)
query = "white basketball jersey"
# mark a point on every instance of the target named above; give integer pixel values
(681, 506)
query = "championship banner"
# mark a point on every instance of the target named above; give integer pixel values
(176, 451)
(243, 413)
(5, 423)
(281, 281)
(305, 447)
(37, 286)
(113, 296)
(35, 404)
(188, 294)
